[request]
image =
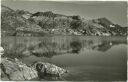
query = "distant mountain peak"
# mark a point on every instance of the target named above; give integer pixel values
(5, 8)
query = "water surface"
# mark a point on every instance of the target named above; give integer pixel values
(86, 58)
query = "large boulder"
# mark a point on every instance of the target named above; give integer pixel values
(16, 70)
(47, 69)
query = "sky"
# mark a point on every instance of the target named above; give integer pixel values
(114, 11)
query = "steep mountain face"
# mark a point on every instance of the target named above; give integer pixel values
(23, 23)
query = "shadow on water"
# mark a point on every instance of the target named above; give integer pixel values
(76, 46)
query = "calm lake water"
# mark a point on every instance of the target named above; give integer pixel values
(86, 58)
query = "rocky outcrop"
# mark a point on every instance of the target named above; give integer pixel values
(16, 70)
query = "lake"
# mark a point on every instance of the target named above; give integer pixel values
(86, 57)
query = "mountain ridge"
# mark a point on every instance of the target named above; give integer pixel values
(24, 23)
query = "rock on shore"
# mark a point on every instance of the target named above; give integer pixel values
(16, 70)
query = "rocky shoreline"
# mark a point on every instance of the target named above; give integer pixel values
(14, 69)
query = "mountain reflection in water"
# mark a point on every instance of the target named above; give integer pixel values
(106, 45)
(50, 46)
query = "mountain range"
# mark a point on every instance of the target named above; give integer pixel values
(24, 23)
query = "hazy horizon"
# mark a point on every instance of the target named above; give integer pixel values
(114, 11)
